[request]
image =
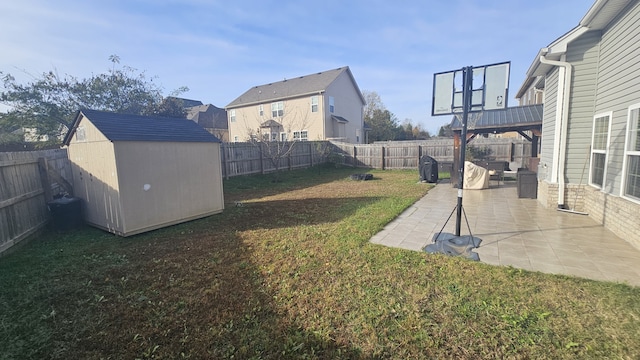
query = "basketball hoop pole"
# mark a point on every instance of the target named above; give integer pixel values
(467, 79)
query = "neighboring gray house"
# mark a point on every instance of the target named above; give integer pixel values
(185, 103)
(319, 106)
(590, 155)
(211, 118)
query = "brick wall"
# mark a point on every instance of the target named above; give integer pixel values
(548, 194)
(618, 215)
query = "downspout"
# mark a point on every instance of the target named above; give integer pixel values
(562, 120)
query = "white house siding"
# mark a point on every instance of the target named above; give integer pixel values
(347, 105)
(583, 56)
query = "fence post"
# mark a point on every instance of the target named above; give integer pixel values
(223, 152)
(382, 156)
(43, 169)
(355, 156)
(511, 151)
(261, 158)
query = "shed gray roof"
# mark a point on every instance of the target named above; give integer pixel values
(126, 127)
(508, 119)
(299, 86)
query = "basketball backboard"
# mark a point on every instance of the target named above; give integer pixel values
(489, 91)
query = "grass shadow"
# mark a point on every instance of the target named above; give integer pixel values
(174, 293)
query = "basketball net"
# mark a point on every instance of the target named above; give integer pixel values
(472, 119)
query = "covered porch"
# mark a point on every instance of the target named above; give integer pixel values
(524, 120)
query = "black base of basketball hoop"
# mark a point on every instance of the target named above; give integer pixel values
(452, 245)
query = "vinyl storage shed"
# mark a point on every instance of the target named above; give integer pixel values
(138, 173)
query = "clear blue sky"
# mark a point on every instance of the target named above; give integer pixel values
(219, 49)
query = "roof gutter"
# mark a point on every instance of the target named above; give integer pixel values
(271, 100)
(592, 12)
(561, 123)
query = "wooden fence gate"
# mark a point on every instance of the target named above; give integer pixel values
(28, 180)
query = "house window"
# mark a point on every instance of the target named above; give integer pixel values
(261, 109)
(331, 104)
(314, 103)
(599, 146)
(232, 115)
(283, 136)
(631, 178)
(301, 135)
(236, 139)
(81, 134)
(277, 109)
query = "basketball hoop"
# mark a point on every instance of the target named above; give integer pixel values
(488, 90)
(472, 119)
(465, 93)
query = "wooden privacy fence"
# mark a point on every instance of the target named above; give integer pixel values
(246, 158)
(391, 155)
(28, 180)
(406, 154)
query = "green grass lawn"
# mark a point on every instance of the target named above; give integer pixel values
(291, 274)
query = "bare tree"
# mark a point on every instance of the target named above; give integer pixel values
(219, 133)
(277, 137)
(374, 102)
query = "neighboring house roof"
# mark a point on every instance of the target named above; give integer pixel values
(186, 102)
(126, 127)
(511, 118)
(300, 86)
(601, 13)
(208, 116)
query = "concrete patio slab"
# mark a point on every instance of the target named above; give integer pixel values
(517, 232)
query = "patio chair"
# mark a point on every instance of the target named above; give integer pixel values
(496, 175)
(496, 169)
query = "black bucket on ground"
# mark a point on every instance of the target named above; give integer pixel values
(66, 213)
